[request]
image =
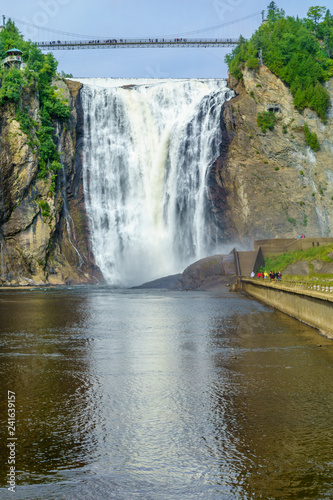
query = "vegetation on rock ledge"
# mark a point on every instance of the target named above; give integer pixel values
(311, 138)
(298, 51)
(266, 120)
(35, 79)
(281, 261)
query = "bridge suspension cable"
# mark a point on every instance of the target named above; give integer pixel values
(218, 26)
(136, 41)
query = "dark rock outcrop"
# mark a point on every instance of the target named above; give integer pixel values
(166, 283)
(208, 273)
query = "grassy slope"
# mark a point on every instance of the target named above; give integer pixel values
(280, 262)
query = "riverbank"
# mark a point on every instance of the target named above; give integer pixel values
(315, 308)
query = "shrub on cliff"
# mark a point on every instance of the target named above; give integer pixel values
(253, 63)
(266, 120)
(298, 51)
(311, 138)
(12, 82)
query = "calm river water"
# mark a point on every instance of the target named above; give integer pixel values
(163, 395)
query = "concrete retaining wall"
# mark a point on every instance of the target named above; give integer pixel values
(310, 307)
(278, 245)
(246, 262)
(306, 243)
(282, 245)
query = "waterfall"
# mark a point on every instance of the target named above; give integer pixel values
(70, 228)
(68, 219)
(147, 148)
(2, 260)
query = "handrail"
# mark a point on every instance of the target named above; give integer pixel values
(11, 58)
(319, 286)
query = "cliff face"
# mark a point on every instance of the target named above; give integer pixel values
(38, 246)
(263, 185)
(271, 184)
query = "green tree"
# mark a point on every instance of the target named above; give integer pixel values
(293, 54)
(319, 100)
(253, 63)
(274, 12)
(300, 99)
(311, 138)
(314, 14)
(325, 33)
(236, 60)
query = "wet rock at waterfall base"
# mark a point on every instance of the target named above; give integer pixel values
(217, 271)
(166, 282)
(211, 273)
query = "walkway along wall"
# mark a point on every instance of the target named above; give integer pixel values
(310, 307)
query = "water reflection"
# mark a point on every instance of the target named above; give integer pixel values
(277, 412)
(160, 395)
(46, 364)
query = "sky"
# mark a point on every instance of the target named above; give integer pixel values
(143, 19)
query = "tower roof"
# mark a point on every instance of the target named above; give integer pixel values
(11, 51)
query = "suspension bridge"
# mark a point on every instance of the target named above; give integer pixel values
(137, 43)
(174, 41)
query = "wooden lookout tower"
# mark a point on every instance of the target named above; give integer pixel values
(13, 58)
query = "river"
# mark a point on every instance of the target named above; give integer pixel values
(123, 394)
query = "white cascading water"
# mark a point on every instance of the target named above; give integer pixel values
(147, 148)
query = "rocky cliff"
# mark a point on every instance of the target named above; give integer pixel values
(43, 235)
(267, 185)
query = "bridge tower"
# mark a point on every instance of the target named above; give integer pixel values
(263, 17)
